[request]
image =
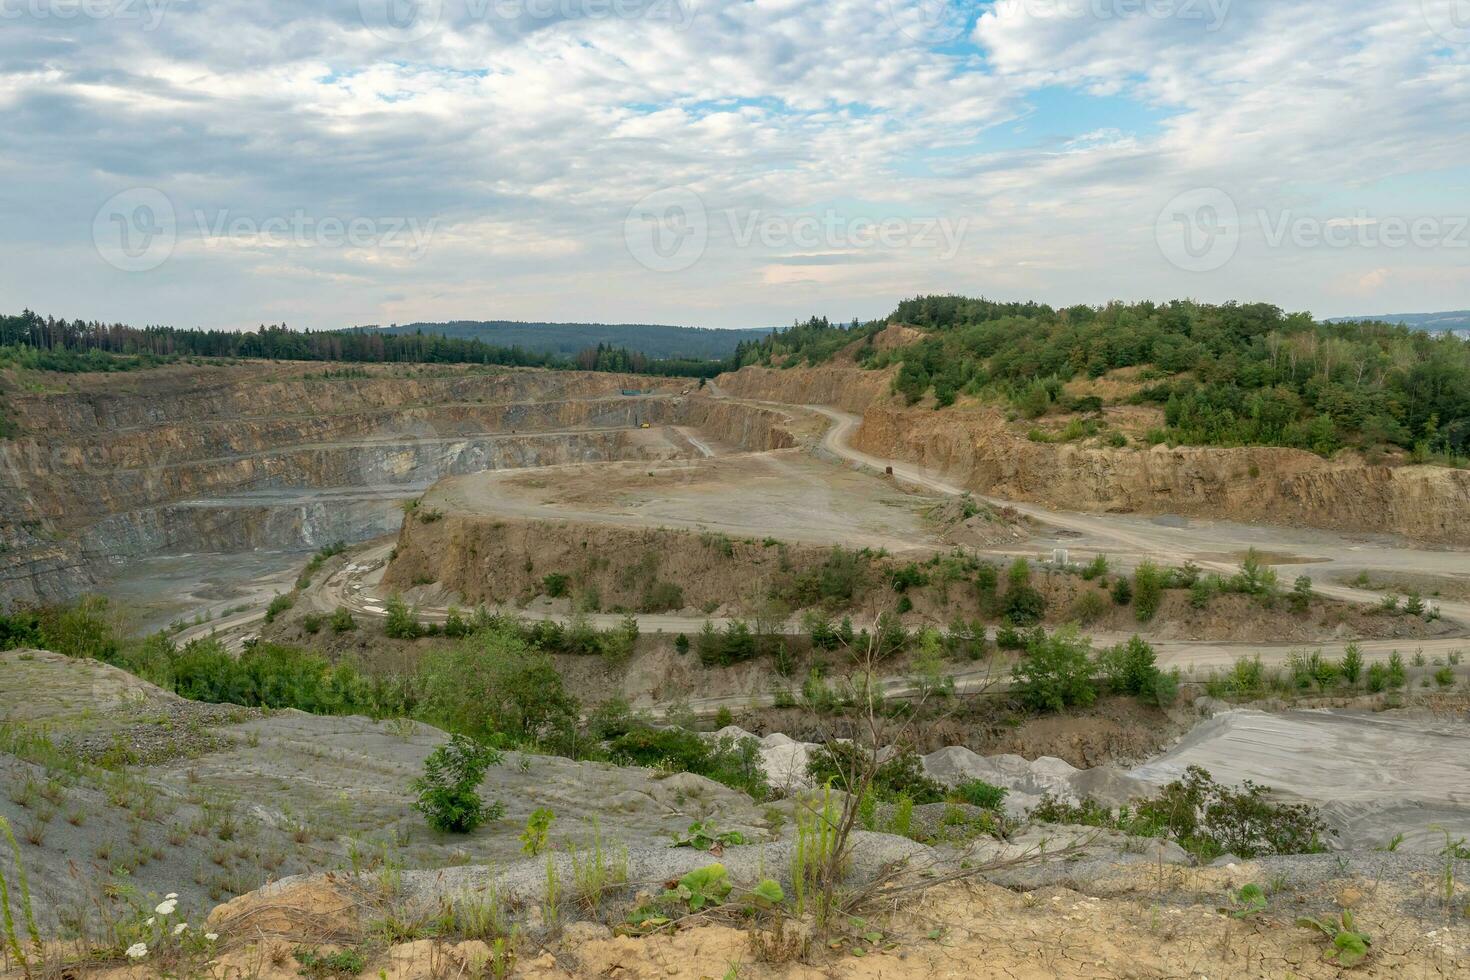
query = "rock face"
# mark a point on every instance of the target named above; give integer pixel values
(1255, 484)
(295, 457)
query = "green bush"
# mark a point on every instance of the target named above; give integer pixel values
(735, 763)
(901, 777)
(977, 792)
(1148, 591)
(1023, 606)
(280, 604)
(555, 585)
(1132, 668)
(494, 683)
(448, 792)
(1057, 672)
(1208, 819)
(401, 623)
(342, 621)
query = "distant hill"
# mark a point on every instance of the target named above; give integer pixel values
(652, 339)
(1455, 321)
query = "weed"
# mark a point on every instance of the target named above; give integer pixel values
(704, 836)
(7, 917)
(538, 829)
(322, 966)
(1347, 946)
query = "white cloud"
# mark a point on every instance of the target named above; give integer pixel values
(526, 141)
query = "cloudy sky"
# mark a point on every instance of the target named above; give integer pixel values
(726, 162)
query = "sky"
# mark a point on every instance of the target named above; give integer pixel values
(726, 163)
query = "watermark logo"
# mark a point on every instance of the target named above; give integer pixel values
(408, 21)
(1211, 13)
(1364, 230)
(136, 230)
(401, 21)
(1199, 230)
(1450, 19)
(668, 230)
(836, 232)
(148, 13)
(300, 229)
(930, 21)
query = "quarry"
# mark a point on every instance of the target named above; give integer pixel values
(696, 590)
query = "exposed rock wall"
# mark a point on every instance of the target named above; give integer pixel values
(107, 467)
(1283, 486)
(843, 386)
(1259, 484)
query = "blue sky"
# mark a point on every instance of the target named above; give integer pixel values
(725, 162)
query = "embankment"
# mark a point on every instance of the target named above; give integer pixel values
(495, 560)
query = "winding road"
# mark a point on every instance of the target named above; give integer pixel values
(1213, 545)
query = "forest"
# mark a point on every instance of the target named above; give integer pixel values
(29, 340)
(1225, 375)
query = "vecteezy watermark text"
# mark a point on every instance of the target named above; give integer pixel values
(149, 13)
(138, 229)
(407, 21)
(669, 230)
(1211, 13)
(1200, 230)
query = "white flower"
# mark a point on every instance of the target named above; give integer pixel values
(180, 927)
(211, 936)
(137, 951)
(149, 922)
(172, 895)
(167, 906)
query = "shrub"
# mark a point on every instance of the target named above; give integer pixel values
(1024, 606)
(909, 577)
(1122, 592)
(733, 762)
(448, 791)
(1095, 569)
(1089, 607)
(342, 621)
(1148, 591)
(1208, 819)
(1352, 663)
(1131, 668)
(1057, 672)
(280, 604)
(1445, 677)
(1301, 594)
(401, 624)
(1009, 638)
(662, 597)
(681, 643)
(901, 777)
(555, 585)
(977, 792)
(494, 683)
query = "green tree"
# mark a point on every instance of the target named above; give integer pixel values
(495, 684)
(1057, 672)
(448, 791)
(1148, 591)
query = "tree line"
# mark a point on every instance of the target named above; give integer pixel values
(1230, 374)
(52, 344)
